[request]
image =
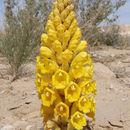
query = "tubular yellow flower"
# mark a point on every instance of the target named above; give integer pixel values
(78, 120)
(48, 66)
(46, 52)
(81, 47)
(62, 110)
(48, 97)
(72, 92)
(76, 71)
(84, 104)
(88, 87)
(80, 58)
(60, 79)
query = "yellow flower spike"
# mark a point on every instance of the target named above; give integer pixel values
(81, 47)
(72, 92)
(44, 39)
(60, 79)
(48, 97)
(48, 66)
(46, 52)
(73, 45)
(62, 110)
(76, 71)
(52, 35)
(57, 47)
(77, 35)
(49, 25)
(78, 120)
(84, 104)
(65, 71)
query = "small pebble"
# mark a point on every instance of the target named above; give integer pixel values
(111, 86)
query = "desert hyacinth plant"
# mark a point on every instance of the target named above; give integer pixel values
(64, 71)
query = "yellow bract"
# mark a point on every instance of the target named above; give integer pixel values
(78, 120)
(64, 72)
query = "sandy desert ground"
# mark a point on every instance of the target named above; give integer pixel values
(20, 107)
